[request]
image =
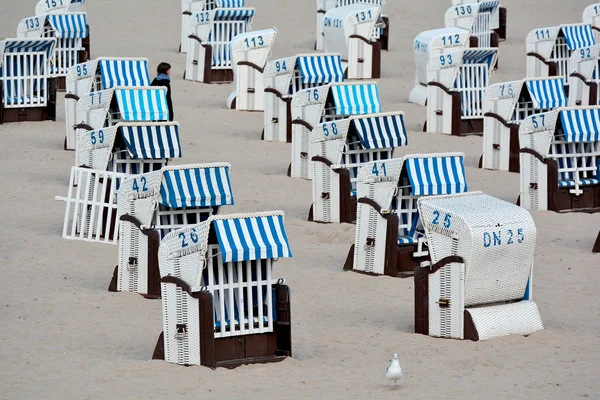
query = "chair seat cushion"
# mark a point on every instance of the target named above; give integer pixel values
(227, 322)
(571, 183)
(409, 239)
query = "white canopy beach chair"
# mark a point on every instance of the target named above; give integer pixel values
(348, 30)
(456, 87)
(326, 103)
(506, 104)
(338, 149)
(498, 20)
(480, 18)
(189, 7)
(286, 76)
(45, 7)
(221, 305)
(549, 49)
(211, 32)
(584, 78)
(560, 160)
(72, 39)
(431, 45)
(105, 158)
(380, 31)
(97, 75)
(478, 285)
(249, 54)
(28, 91)
(389, 236)
(591, 16)
(155, 203)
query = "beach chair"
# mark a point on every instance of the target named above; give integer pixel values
(338, 149)
(106, 157)
(506, 104)
(584, 77)
(211, 32)
(249, 53)
(97, 75)
(28, 91)
(45, 7)
(431, 45)
(478, 18)
(331, 102)
(286, 76)
(153, 204)
(478, 285)
(221, 305)
(389, 236)
(549, 49)
(560, 160)
(455, 90)
(498, 18)
(348, 31)
(380, 32)
(72, 40)
(591, 16)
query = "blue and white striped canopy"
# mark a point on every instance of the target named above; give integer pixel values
(381, 132)
(478, 56)
(69, 25)
(233, 14)
(254, 238)
(547, 93)
(581, 125)
(321, 69)
(45, 45)
(143, 104)
(356, 99)
(152, 141)
(230, 3)
(196, 187)
(578, 36)
(124, 73)
(488, 6)
(436, 175)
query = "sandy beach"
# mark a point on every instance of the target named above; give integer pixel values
(63, 335)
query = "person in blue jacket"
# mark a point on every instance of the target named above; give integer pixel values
(164, 79)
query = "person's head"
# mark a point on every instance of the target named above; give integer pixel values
(164, 68)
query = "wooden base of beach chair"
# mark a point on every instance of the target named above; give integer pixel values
(47, 112)
(347, 202)
(501, 31)
(514, 147)
(421, 276)
(384, 39)
(596, 248)
(231, 352)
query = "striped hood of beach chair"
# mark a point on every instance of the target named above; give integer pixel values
(317, 69)
(578, 36)
(355, 98)
(123, 73)
(546, 93)
(69, 26)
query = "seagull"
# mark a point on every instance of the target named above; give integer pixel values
(394, 371)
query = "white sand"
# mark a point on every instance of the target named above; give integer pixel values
(62, 335)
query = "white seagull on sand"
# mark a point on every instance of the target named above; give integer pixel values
(394, 371)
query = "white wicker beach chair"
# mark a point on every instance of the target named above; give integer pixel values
(478, 283)
(591, 16)
(456, 85)
(431, 45)
(498, 18)
(27, 88)
(560, 160)
(221, 305)
(286, 76)
(72, 39)
(506, 104)
(584, 77)
(97, 75)
(152, 205)
(331, 102)
(380, 30)
(480, 18)
(549, 49)
(338, 149)
(211, 32)
(249, 54)
(348, 30)
(389, 234)
(45, 7)
(106, 157)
